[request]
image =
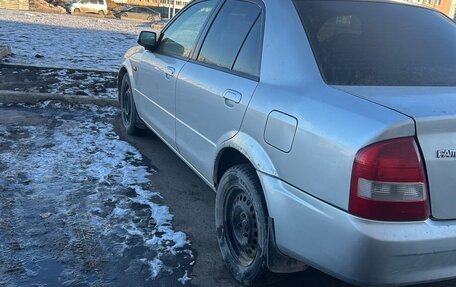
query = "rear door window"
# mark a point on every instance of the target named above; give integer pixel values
(249, 58)
(380, 44)
(228, 33)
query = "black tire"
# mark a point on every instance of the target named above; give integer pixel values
(241, 218)
(130, 119)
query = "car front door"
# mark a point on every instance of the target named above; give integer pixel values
(83, 5)
(157, 71)
(133, 13)
(215, 87)
(93, 6)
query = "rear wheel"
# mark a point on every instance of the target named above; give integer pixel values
(152, 18)
(130, 119)
(242, 224)
(101, 13)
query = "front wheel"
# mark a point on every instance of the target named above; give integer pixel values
(241, 218)
(130, 119)
(76, 11)
(101, 13)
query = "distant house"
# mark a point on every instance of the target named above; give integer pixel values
(162, 6)
(447, 7)
(15, 4)
(453, 10)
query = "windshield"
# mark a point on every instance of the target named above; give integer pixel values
(380, 44)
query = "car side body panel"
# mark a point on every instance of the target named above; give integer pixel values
(156, 86)
(206, 114)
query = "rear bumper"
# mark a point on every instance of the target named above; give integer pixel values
(355, 250)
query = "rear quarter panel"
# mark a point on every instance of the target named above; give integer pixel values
(332, 125)
(332, 128)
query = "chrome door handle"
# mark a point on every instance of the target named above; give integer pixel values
(169, 73)
(232, 96)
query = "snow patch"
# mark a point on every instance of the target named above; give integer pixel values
(184, 279)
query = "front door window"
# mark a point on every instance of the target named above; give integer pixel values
(180, 38)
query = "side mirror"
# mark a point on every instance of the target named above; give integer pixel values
(148, 40)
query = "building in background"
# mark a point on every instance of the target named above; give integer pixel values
(453, 10)
(15, 4)
(447, 7)
(165, 7)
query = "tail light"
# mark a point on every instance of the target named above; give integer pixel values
(389, 183)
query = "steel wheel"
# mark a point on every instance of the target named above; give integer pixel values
(242, 231)
(241, 219)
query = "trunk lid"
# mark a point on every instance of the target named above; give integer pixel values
(434, 112)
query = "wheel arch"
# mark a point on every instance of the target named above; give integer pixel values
(124, 69)
(120, 76)
(227, 158)
(240, 149)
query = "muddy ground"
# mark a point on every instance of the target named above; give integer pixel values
(58, 81)
(77, 207)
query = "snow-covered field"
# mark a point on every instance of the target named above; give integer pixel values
(76, 197)
(67, 41)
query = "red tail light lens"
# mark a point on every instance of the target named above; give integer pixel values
(389, 183)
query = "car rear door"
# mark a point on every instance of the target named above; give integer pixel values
(157, 71)
(215, 87)
(143, 13)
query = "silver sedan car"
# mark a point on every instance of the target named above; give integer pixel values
(326, 128)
